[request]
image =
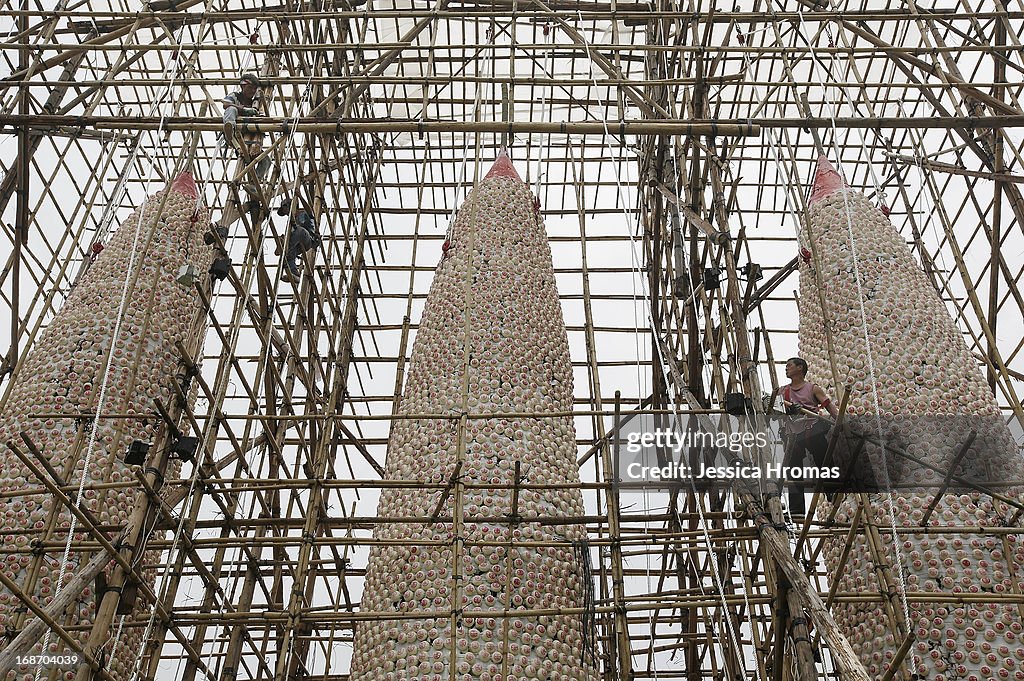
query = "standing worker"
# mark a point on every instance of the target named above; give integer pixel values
(302, 236)
(242, 102)
(805, 434)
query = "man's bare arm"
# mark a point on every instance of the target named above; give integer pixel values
(824, 401)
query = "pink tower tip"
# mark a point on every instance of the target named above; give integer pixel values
(185, 184)
(502, 168)
(826, 181)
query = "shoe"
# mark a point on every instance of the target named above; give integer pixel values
(209, 239)
(288, 276)
(232, 140)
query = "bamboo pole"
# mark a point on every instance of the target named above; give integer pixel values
(777, 547)
(670, 73)
(724, 127)
(313, 515)
(623, 664)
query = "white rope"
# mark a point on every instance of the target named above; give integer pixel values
(702, 519)
(924, 195)
(761, 483)
(719, 582)
(642, 384)
(101, 399)
(544, 103)
(734, 637)
(773, 144)
(165, 575)
(828, 82)
(890, 495)
(630, 218)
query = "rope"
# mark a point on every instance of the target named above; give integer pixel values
(101, 399)
(550, 90)
(475, 111)
(890, 495)
(702, 521)
(929, 221)
(637, 273)
(726, 319)
(734, 637)
(703, 524)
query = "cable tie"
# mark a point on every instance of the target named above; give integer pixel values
(157, 473)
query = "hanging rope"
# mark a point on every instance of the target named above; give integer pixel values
(889, 496)
(547, 94)
(638, 269)
(179, 529)
(475, 112)
(118, 321)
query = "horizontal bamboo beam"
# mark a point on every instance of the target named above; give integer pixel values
(321, 126)
(957, 170)
(744, 128)
(506, 8)
(418, 50)
(314, 616)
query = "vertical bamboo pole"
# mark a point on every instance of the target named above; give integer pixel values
(313, 515)
(608, 472)
(22, 218)
(995, 238)
(107, 605)
(611, 478)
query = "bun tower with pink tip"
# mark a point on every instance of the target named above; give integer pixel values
(64, 374)
(492, 341)
(917, 386)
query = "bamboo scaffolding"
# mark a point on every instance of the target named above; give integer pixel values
(662, 143)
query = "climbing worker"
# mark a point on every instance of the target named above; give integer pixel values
(243, 102)
(302, 236)
(804, 433)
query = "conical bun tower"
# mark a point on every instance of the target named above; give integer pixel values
(917, 387)
(110, 349)
(492, 341)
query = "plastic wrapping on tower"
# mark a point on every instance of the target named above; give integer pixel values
(492, 339)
